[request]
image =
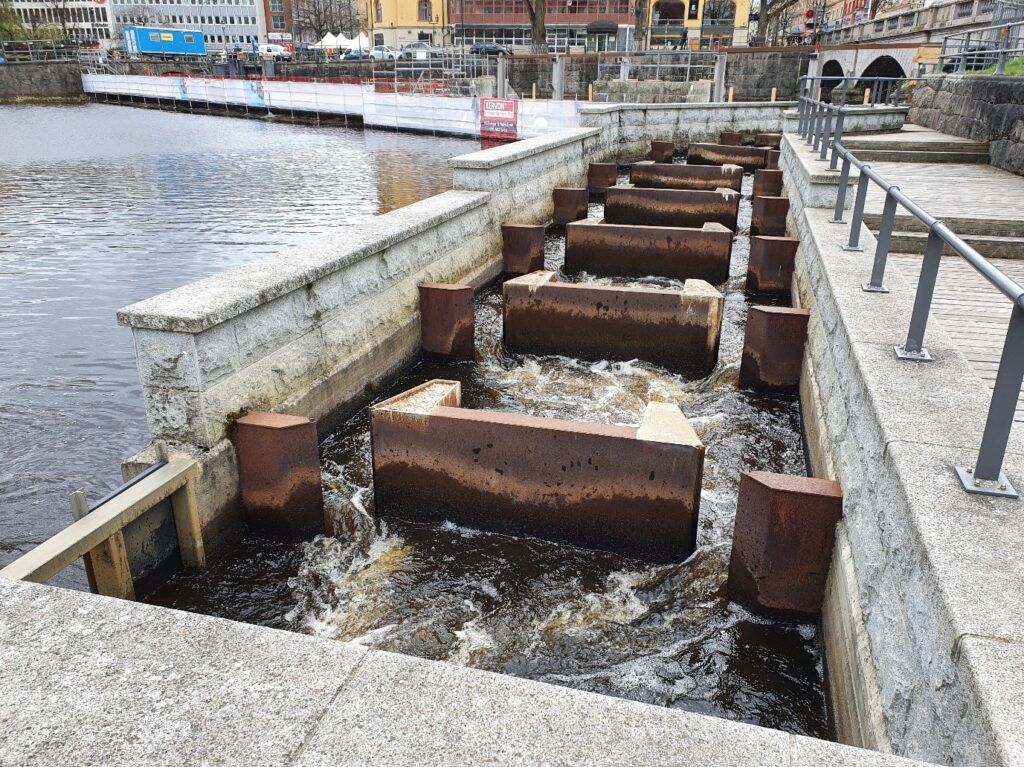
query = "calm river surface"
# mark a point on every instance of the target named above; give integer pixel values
(101, 206)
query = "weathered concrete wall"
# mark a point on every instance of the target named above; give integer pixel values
(523, 71)
(40, 80)
(652, 92)
(978, 107)
(753, 74)
(924, 617)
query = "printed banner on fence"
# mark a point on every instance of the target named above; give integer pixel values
(498, 118)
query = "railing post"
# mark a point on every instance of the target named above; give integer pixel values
(844, 181)
(858, 211)
(876, 285)
(826, 135)
(813, 123)
(987, 477)
(819, 127)
(913, 348)
(837, 137)
(1001, 58)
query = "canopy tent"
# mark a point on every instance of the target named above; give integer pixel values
(342, 43)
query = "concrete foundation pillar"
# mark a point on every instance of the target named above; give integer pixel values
(662, 151)
(446, 320)
(501, 80)
(768, 216)
(570, 204)
(767, 183)
(770, 266)
(558, 79)
(601, 175)
(522, 248)
(279, 475)
(773, 348)
(782, 545)
(729, 138)
(772, 162)
(718, 93)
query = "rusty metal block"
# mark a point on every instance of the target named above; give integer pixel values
(662, 151)
(770, 266)
(279, 475)
(570, 204)
(675, 328)
(767, 183)
(667, 176)
(770, 140)
(446, 320)
(729, 138)
(773, 160)
(750, 158)
(773, 348)
(601, 175)
(630, 490)
(768, 216)
(522, 248)
(782, 544)
(628, 204)
(637, 251)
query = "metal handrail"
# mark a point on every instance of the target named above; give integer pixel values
(986, 476)
(993, 44)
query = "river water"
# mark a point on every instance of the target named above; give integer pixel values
(101, 206)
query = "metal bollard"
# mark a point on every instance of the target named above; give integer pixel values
(858, 211)
(844, 181)
(876, 284)
(913, 347)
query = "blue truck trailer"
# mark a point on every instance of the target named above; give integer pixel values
(157, 41)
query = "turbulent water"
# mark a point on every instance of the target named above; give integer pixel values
(101, 206)
(590, 620)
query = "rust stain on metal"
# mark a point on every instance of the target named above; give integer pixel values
(748, 157)
(773, 160)
(771, 262)
(770, 140)
(668, 176)
(782, 544)
(729, 138)
(601, 175)
(570, 204)
(447, 320)
(628, 204)
(662, 151)
(279, 475)
(600, 486)
(768, 216)
(676, 328)
(522, 248)
(773, 348)
(637, 251)
(767, 183)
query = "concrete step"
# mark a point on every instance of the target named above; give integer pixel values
(918, 155)
(912, 145)
(984, 227)
(988, 246)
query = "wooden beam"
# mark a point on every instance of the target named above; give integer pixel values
(190, 530)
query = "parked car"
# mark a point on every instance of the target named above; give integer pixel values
(489, 49)
(383, 53)
(279, 52)
(356, 55)
(421, 50)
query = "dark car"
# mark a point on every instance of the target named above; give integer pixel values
(489, 49)
(356, 55)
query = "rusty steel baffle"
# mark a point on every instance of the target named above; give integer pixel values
(768, 216)
(601, 175)
(675, 328)
(627, 204)
(750, 158)
(668, 176)
(522, 248)
(782, 544)
(446, 320)
(773, 348)
(662, 151)
(630, 490)
(730, 138)
(628, 250)
(769, 140)
(570, 204)
(767, 183)
(771, 263)
(773, 160)
(279, 475)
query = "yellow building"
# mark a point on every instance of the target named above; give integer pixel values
(400, 22)
(700, 23)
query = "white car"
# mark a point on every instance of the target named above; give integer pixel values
(383, 53)
(276, 51)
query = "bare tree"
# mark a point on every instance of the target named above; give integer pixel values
(538, 28)
(774, 17)
(317, 18)
(135, 15)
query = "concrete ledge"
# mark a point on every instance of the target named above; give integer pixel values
(634, 491)
(515, 151)
(809, 179)
(859, 119)
(675, 328)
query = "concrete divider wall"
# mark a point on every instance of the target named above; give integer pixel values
(40, 81)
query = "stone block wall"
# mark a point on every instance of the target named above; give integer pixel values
(40, 80)
(523, 71)
(753, 74)
(977, 107)
(652, 91)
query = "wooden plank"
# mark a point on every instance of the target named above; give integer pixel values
(53, 555)
(190, 529)
(106, 566)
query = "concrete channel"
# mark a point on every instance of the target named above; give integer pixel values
(313, 337)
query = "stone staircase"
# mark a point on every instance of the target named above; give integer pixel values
(874, 149)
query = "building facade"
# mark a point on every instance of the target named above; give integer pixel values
(84, 21)
(400, 22)
(225, 23)
(280, 20)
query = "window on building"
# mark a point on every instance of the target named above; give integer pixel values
(378, 13)
(277, 5)
(189, 39)
(426, 13)
(277, 22)
(154, 37)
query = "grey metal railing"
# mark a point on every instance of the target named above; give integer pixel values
(821, 127)
(983, 48)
